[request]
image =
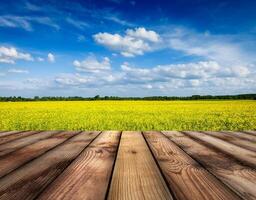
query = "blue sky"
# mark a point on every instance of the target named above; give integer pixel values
(127, 47)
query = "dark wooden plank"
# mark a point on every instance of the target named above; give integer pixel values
(19, 143)
(186, 178)
(15, 136)
(5, 133)
(28, 181)
(241, 179)
(15, 159)
(243, 155)
(135, 161)
(88, 176)
(232, 138)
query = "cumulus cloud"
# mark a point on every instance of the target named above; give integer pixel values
(11, 54)
(143, 34)
(134, 42)
(91, 64)
(196, 75)
(51, 57)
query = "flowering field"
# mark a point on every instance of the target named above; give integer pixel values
(128, 115)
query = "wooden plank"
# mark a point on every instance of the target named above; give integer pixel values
(232, 138)
(135, 161)
(250, 132)
(17, 158)
(245, 156)
(186, 178)
(88, 176)
(241, 179)
(5, 133)
(241, 135)
(28, 181)
(15, 136)
(19, 143)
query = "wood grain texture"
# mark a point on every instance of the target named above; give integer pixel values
(186, 178)
(250, 145)
(89, 175)
(15, 136)
(29, 180)
(241, 179)
(5, 133)
(19, 143)
(250, 132)
(136, 175)
(15, 159)
(243, 155)
(242, 135)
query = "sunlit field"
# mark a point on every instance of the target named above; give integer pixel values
(128, 115)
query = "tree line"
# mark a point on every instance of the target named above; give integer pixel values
(149, 98)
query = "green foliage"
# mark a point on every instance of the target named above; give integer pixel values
(152, 98)
(128, 115)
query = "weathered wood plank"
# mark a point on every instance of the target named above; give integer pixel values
(15, 136)
(243, 155)
(15, 159)
(88, 176)
(186, 178)
(241, 135)
(28, 181)
(250, 132)
(241, 179)
(233, 139)
(135, 161)
(5, 133)
(19, 143)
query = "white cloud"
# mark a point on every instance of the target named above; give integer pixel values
(40, 59)
(10, 54)
(135, 42)
(189, 71)
(18, 71)
(118, 20)
(25, 22)
(51, 57)
(220, 48)
(143, 34)
(77, 23)
(199, 76)
(91, 64)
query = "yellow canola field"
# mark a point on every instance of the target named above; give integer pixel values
(128, 115)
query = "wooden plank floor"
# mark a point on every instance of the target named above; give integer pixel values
(127, 165)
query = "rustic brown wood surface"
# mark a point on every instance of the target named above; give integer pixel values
(15, 159)
(241, 179)
(5, 133)
(232, 138)
(241, 154)
(135, 161)
(29, 180)
(185, 176)
(127, 165)
(89, 175)
(250, 132)
(16, 136)
(21, 142)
